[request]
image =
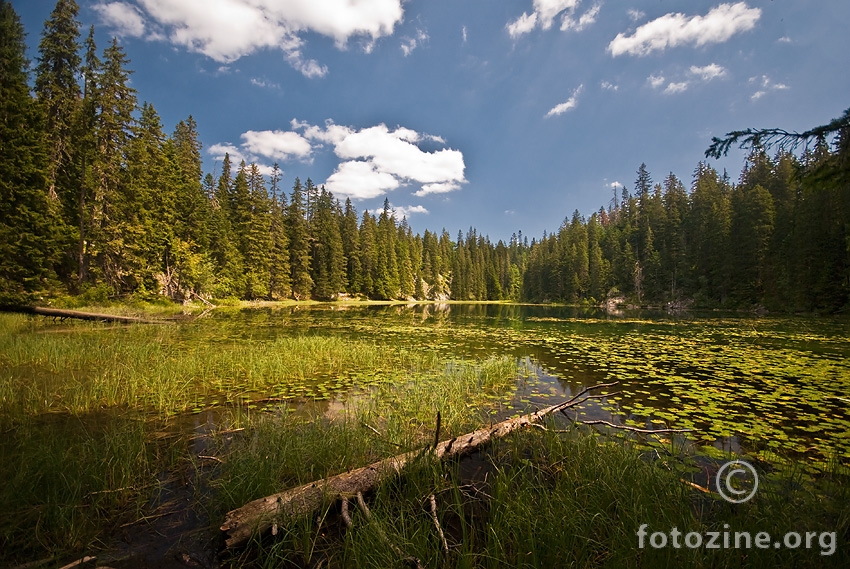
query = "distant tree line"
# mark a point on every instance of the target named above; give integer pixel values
(98, 200)
(779, 238)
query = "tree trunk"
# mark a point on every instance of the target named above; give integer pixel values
(59, 313)
(260, 515)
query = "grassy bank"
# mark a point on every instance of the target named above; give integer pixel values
(538, 499)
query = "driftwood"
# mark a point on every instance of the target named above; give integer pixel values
(260, 515)
(61, 313)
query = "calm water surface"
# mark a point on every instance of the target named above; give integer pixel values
(765, 384)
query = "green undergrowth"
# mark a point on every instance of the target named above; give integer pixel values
(553, 499)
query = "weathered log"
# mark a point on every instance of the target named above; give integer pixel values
(62, 313)
(260, 515)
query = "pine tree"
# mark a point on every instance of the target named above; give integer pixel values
(279, 271)
(58, 91)
(145, 214)
(116, 102)
(708, 233)
(368, 254)
(28, 248)
(386, 278)
(299, 245)
(257, 237)
(351, 248)
(225, 253)
(406, 274)
(673, 244)
(328, 261)
(86, 152)
(192, 205)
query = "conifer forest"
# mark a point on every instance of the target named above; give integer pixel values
(99, 197)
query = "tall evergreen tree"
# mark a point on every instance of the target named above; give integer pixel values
(116, 102)
(328, 261)
(386, 278)
(368, 254)
(58, 90)
(257, 237)
(351, 248)
(279, 271)
(223, 241)
(28, 248)
(299, 245)
(192, 205)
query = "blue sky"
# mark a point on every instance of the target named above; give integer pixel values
(503, 115)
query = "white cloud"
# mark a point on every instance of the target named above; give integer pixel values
(373, 160)
(437, 188)
(608, 86)
(226, 30)
(276, 144)
(375, 155)
(586, 19)
(695, 73)
(708, 72)
(673, 30)
(676, 87)
(406, 211)
(656, 81)
(784, 39)
(567, 105)
(546, 11)
(395, 152)
(408, 44)
(614, 185)
(360, 180)
(463, 31)
(634, 14)
(765, 85)
(124, 18)
(218, 151)
(522, 25)
(256, 81)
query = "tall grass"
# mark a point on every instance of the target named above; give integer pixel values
(83, 368)
(83, 411)
(550, 499)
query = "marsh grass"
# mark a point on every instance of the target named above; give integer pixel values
(556, 500)
(88, 418)
(150, 367)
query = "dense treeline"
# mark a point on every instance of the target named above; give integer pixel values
(778, 238)
(97, 199)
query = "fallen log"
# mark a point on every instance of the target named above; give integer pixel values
(62, 313)
(261, 514)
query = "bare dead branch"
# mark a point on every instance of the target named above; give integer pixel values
(433, 501)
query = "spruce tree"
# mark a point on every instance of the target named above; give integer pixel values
(58, 91)
(258, 237)
(116, 102)
(299, 245)
(328, 261)
(227, 259)
(368, 254)
(192, 205)
(28, 248)
(279, 271)
(351, 248)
